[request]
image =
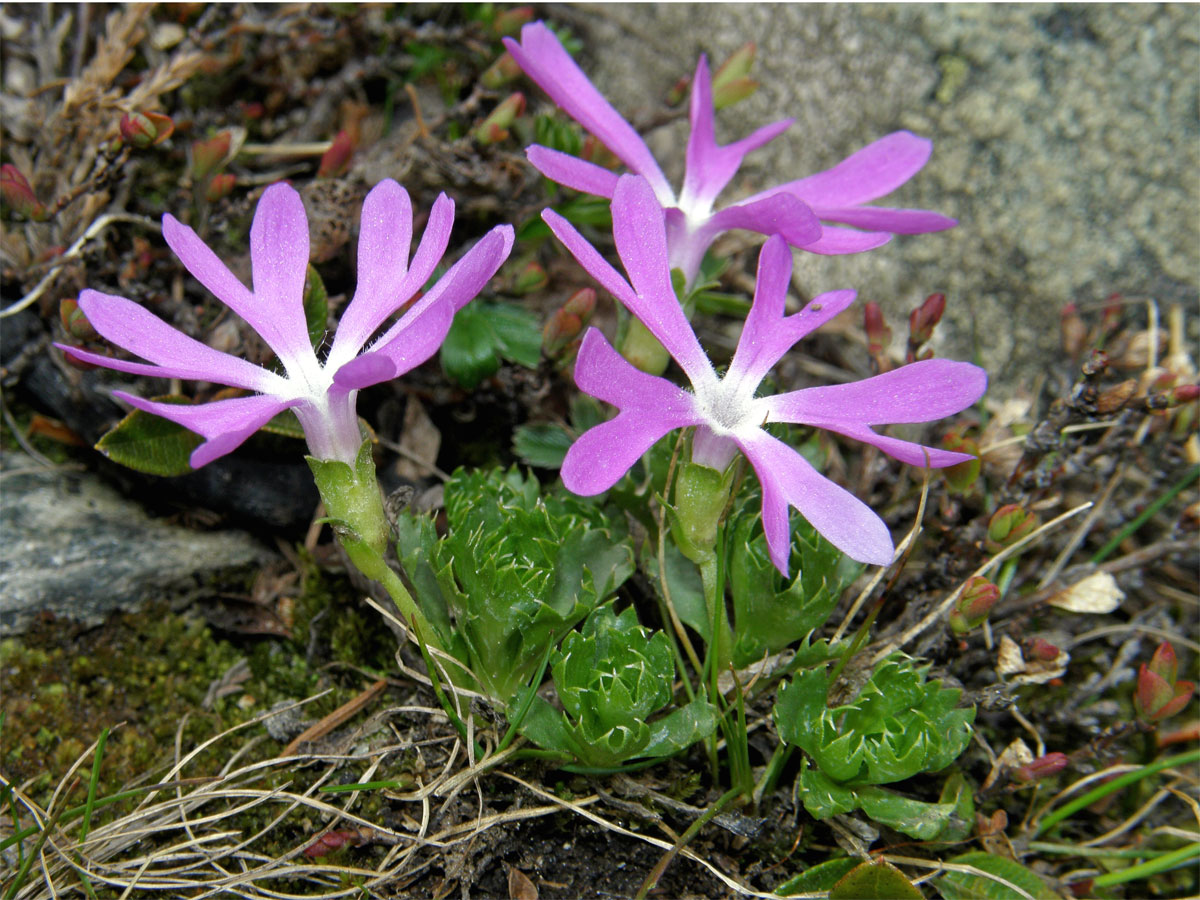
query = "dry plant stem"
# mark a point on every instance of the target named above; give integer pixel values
(1084, 527)
(955, 867)
(71, 252)
(939, 612)
(337, 717)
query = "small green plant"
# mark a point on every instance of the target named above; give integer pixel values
(517, 570)
(899, 725)
(611, 678)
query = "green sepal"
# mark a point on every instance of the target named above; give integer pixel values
(351, 495)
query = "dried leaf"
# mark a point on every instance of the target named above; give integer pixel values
(519, 885)
(1012, 666)
(1098, 593)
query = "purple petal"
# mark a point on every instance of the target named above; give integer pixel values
(588, 257)
(780, 214)
(835, 241)
(905, 451)
(206, 268)
(279, 260)
(841, 518)
(639, 230)
(880, 218)
(767, 335)
(432, 248)
(865, 175)
(174, 354)
(545, 61)
(384, 239)
(416, 339)
(407, 343)
(225, 423)
(650, 407)
(709, 165)
(572, 172)
(919, 392)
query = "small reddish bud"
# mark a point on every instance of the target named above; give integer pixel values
(961, 477)
(509, 21)
(921, 322)
(1164, 663)
(878, 333)
(531, 278)
(1008, 525)
(972, 608)
(1157, 698)
(594, 151)
(494, 128)
(734, 92)
(1185, 393)
(1041, 650)
(17, 194)
(146, 129)
(567, 322)
(1073, 330)
(679, 91)
(1042, 767)
(731, 82)
(220, 187)
(209, 155)
(253, 110)
(500, 73)
(74, 322)
(336, 160)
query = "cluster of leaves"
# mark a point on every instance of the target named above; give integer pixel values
(516, 571)
(900, 724)
(611, 678)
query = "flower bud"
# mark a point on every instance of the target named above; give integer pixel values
(531, 278)
(731, 78)
(1041, 650)
(494, 128)
(1008, 525)
(503, 71)
(566, 323)
(972, 608)
(146, 129)
(679, 91)
(594, 151)
(336, 160)
(209, 155)
(509, 21)
(700, 497)
(1164, 663)
(1042, 767)
(1159, 694)
(1073, 330)
(961, 477)
(878, 334)
(74, 322)
(18, 195)
(922, 320)
(220, 187)
(734, 92)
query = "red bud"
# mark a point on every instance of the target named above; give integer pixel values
(74, 322)
(18, 195)
(336, 160)
(1042, 767)
(209, 155)
(220, 187)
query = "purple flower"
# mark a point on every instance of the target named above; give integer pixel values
(322, 394)
(724, 409)
(793, 210)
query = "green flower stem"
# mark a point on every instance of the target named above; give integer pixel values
(1150, 867)
(1069, 809)
(354, 506)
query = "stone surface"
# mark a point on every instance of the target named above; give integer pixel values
(72, 545)
(1066, 142)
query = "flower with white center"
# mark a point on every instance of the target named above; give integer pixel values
(322, 394)
(794, 210)
(727, 415)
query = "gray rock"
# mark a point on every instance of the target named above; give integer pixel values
(1066, 142)
(71, 545)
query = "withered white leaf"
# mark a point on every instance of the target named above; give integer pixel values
(1098, 593)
